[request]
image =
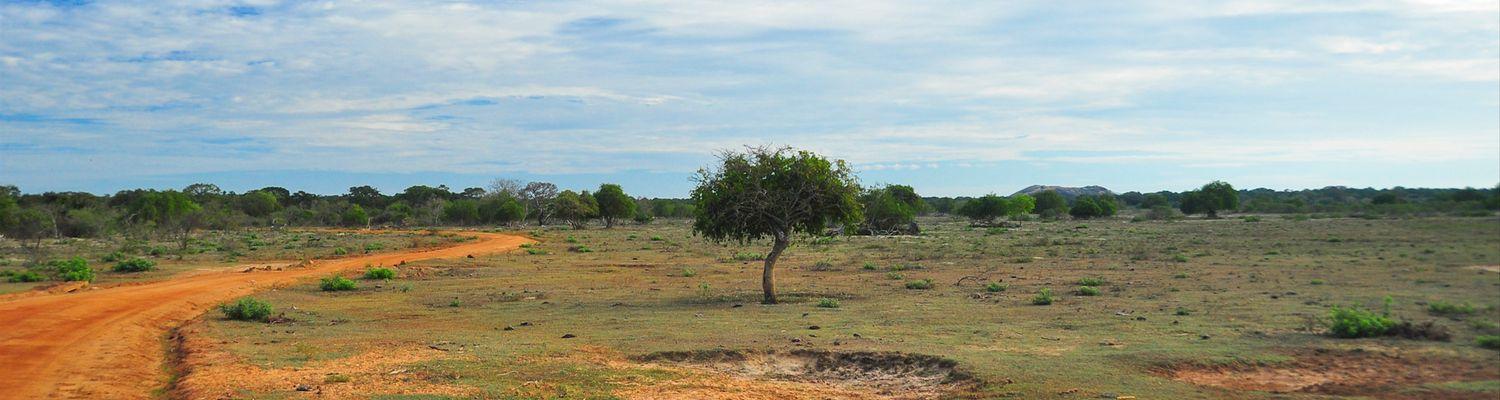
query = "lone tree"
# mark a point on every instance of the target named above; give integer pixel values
(1210, 199)
(773, 193)
(983, 210)
(614, 204)
(1051, 204)
(576, 208)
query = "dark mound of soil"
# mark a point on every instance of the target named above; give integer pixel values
(888, 373)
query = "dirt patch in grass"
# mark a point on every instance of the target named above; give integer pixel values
(1345, 373)
(861, 374)
(208, 371)
(1487, 268)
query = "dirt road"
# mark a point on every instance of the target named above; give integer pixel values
(107, 343)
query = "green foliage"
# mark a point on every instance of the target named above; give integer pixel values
(1088, 291)
(774, 193)
(1317, 282)
(135, 265)
(920, 284)
(259, 204)
(1044, 297)
(30, 224)
(828, 303)
(73, 269)
(985, 209)
(380, 273)
(1182, 258)
(339, 251)
(502, 208)
(884, 211)
(1182, 312)
(113, 257)
(461, 212)
(25, 276)
(1356, 322)
(1446, 308)
(247, 309)
(575, 208)
(1491, 342)
(895, 276)
(536, 252)
(996, 287)
(870, 266)
(748, 256)
(1050, 203)
(614, 204)
(355, 216)
(1210, 199)
(689, 272)
(1091, 281)
(337, 283)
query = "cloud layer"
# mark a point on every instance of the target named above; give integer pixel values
(125, 90)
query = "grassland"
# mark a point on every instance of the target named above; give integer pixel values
(215, 249)
(1180, 307)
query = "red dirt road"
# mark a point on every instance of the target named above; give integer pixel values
(107, 343)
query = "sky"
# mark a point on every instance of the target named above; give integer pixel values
(953, 98)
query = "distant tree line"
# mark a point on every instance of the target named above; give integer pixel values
(1217, 197)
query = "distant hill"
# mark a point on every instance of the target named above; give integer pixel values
(1068, 192)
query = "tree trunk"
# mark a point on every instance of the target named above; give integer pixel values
(767, 277)
(609, 223)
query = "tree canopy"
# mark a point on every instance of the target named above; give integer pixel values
(1210, 199)
(614, 204)
(774, 193)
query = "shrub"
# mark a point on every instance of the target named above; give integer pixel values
(535, 251)
(1446, 308)
(920, 284)
(580, 249)
(113, 257)
(1182, 311)
(336, 283)
(369, 247)
(1180, 258)
(26, 276)
(339, 251)
(869, 266)
(1043, 297)
(828, 303)
(995, 287)
(655, 238)
(1357, 322)
(1088, 291)
(747, 256)
(689, 273)
(894, 276)
(1317, 282)
(1180, 276)
(1091, 281)
(380, 273)
(1491, 342)
(246, 309)
(135, 265)
(73, 269)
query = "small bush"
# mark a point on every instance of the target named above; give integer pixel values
(1446, 308)
(157, 251)
(689, 273)
(1357, 322)
(869, 266)
(1180, 276)
(246, 309)
(1491, 342)
(377, 246)
(1091, 281)
(828, 303)
(73, 269)
(380, 273)
(995, 287)
(113, 257)
(571, 239)
(895, 276)
(655, 238)
(336, 283)
(536, 252)
(1180, 258)
(580, 249)
(920, 284)
(1317, 282)
(135, 265)
(1182, 311)
(897, 267)
(336, 378)
(1088, 291)
(1043, 297)
(746, 256)
(26, 276)
(340, 251)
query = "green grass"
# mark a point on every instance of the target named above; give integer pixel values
(920, 284)
(1043, 297)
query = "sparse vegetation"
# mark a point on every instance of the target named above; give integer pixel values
(135, 265)
(1043, 297)
(920, 284)
(337, 283)
(380, 273)
(247, 309)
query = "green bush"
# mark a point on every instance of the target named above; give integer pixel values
(655, 238)
(135, 265)
(1491, 342)
(1180, 258)
(894, 276)
(1042, 298)
(580, 249)
(1357, 322)
(1446, 308)
(828, 303)
(246, 309)
(336, 283)
(920, 284)
(339, 251)
(689, 273)
(380, 273)
(377, 246)
(994, 287)
(26, 276)
(869, 266)
(536, 252)
(1091, 281)
(1317, 282)
(113, 257)
(746, 256)
(1088, 291)
(73, 269)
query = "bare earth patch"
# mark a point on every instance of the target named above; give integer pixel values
(1487, 268)
(819, 374)
(211, 372)
(1346, 373)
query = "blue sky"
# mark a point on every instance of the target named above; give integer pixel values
(950, 97)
